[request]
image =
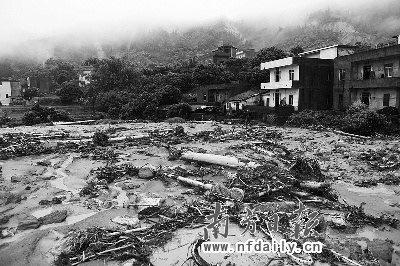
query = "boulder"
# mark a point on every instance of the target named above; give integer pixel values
(28, 221)
(54, 217)
(15, 179)
(4, 219)
(129, 221)
(146, 173)
(13, 198)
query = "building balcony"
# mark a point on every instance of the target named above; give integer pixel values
(376, 83)
(288, 84)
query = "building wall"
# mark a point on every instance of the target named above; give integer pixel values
(284, 81)
(279, 94)
(312, 84)
(15, 89)
(350, 89)
(5, 92)
(219, 93)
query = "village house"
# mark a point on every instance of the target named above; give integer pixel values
(247, 98)
(218, 94)
(9, 91)
(305, 82)
(84, 74)
(39, 82)
(221, 54)
(246, 53)
(372, 77)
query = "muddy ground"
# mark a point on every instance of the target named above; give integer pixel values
(62, 173)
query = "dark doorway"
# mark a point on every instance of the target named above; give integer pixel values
(237, 106)
(367, 72)
(341, 101)
(277, 94)
(365, 98)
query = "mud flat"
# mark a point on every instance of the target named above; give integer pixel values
(134, 179)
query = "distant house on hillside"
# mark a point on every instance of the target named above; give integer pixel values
(84, 74)
(246, 53)
(9, 91)
(372, 77)
(305, 82)
(219, 55)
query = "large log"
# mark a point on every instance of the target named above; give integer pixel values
(350, 135)
(216, 159)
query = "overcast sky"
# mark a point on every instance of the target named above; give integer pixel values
(22, 20)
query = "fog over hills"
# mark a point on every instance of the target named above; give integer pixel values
(181, 33)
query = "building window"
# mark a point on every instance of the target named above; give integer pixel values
(277, 74)
(388, 70)
(386, 98)
(329, 76)
(290, 99)
(6, 95)
(204, 97)
(291, 74)
(267, 102)
(342, 74)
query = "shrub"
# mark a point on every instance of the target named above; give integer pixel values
(390, 110)
(100, 138)
(40, 114)
(311, 118)
(360, 120)
(179, 110)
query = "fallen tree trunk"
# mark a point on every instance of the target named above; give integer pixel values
(219, 189)
(216, 159)
(350, 135)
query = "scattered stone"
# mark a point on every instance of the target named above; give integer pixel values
(148, 205)
(28, 221)
(55, 200)
(54, 217)
(129, 221)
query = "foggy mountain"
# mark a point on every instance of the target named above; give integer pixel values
(369, 26)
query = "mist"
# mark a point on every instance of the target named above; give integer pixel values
(33, 29)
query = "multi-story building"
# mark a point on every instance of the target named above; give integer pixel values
(305, 82)
(372, 77)
(219, 55)
(9, 90)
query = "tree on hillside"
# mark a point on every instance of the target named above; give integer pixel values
(268, 54)
(69, 92)
(295, 51)
(114, 73)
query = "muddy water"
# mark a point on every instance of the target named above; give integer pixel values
(377, 199)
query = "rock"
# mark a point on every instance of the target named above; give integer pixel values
(15, 179)
(13, 198)
(146, 173)
(148, 205)
(44, 163)
(129, 221)
(28, 221)
(381, 249)
(7, 232)
(54, 217)
(4, 219)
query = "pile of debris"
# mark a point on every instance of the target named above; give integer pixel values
(95, 243)
(20, 144)
(383, 159)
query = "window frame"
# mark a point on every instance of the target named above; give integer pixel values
(277, 74)
(291, 74)
(342, 74)
(291, 99)
(390, 68)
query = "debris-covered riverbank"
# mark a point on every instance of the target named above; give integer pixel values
(140, 193)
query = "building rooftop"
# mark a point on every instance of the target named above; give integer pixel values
(326, 47)
(245, 95)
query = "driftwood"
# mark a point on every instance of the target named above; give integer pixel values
(216, 159)
(83, 122)
(350, 135)
(312, 185)
(219, 189)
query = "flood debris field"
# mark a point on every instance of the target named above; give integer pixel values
(139, 193)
